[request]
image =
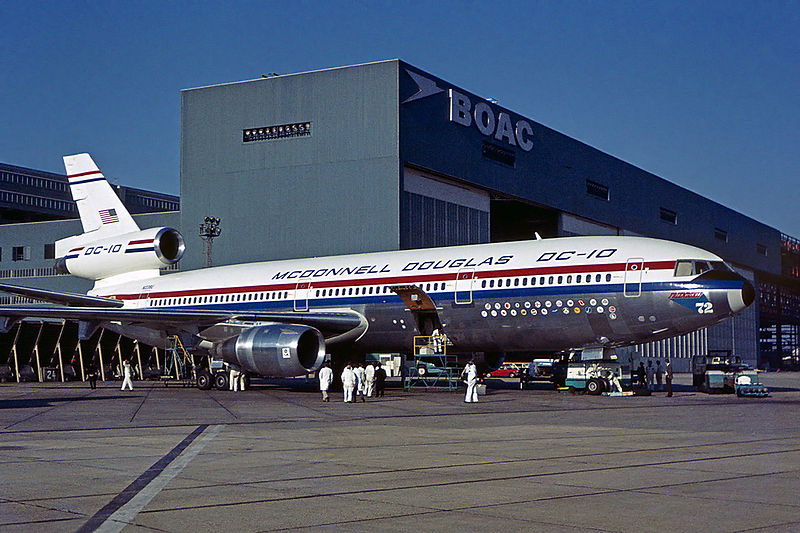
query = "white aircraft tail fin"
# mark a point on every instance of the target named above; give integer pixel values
(102, 212)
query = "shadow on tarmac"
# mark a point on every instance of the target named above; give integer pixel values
(25, 403)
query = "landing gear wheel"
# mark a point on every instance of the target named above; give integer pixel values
(594, 387)
(512, 375)
(204, 380)
(221, 381)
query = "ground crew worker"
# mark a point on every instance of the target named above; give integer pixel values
(92, 375)
(470, 373)
(126, 371)
(669, 378)
(325, 375)
(369, 376)
(659, 376)
(380, 380)
(651, 372)
(348, 383)
(234, 380)
(361, 384)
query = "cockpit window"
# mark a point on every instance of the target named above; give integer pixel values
(720, 265)
(683, 268)
(686, 267)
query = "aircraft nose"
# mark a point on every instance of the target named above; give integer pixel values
(742, 299)
(748, 293)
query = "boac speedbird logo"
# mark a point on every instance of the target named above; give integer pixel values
(482, 116)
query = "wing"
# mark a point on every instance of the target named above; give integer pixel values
(58, 297)
(335, 325)
(332, 324)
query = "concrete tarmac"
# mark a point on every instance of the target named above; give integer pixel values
(275, 458)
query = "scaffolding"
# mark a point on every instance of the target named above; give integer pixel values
(432, 369)
(178, 364)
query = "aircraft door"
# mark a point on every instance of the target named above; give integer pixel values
(464, 281)
(633, 277)
(301, 291)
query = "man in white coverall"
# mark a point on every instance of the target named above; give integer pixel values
(361, 384)
(126, 372)
(348, 383)
(470, 373)
(234, 380)
(369, 376)
(325, 379)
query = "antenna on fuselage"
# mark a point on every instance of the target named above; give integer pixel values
(538, 237)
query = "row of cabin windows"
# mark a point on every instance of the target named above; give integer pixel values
(221, 298)
(545, 280)
(351, 291)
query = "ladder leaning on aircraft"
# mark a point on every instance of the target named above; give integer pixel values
(279, 318)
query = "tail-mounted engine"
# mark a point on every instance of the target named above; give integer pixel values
(277, 350)
(149, 249)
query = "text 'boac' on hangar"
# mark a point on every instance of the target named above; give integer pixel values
(385, 156)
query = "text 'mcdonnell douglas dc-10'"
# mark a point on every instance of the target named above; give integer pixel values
(280, 318)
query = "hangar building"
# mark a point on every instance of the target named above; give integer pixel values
(385, 156)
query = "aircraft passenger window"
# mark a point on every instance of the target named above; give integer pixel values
(560, 280)
(370, 290)
(483, 284)
(700, 267)
(683, 268)
(516, 282)
(569, 279)
(578, 278)
(533, 280)
(597, 278)
(491, 283)
(524, 282)
(608, 277)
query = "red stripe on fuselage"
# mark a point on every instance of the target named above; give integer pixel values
(143, 241)
(394, 280)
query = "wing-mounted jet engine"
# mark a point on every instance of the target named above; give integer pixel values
(274, 349)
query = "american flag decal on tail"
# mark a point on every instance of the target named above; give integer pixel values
(108, 216)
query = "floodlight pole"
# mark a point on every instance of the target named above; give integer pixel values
(208, 230)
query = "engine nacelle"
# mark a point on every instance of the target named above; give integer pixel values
(276, 350)
(149, 249)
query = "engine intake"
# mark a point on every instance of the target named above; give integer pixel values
(277, 350)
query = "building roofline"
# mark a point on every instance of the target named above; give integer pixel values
(293, 74)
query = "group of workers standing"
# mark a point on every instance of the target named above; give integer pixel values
(357, 381)
(653, 376)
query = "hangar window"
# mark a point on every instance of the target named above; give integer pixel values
(597, 190)
(50, 251)
(761, 249)
(668, 215)
(21, 253)
(721, 235)
(280, 131)
(499, 154)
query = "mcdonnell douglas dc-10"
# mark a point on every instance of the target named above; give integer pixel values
(279, 318)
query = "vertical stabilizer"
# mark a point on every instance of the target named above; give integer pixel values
(102, 212)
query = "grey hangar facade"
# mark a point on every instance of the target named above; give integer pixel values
(384, 156)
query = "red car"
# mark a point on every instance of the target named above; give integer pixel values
(507, 370)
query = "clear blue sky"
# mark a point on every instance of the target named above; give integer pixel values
(704, 94)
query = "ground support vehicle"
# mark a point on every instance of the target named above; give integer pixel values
(726, 374)
(595, 376)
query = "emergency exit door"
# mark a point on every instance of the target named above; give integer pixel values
(464, 281)
(633, 277)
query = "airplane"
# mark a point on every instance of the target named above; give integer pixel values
(280, 318)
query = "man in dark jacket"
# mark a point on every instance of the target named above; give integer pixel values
(380, 380)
